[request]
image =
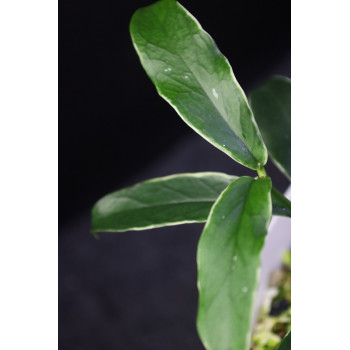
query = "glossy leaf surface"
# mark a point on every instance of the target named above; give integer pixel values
(286, 342)
(229, 261)
(190, 72)
(169, 200)
(272, 109)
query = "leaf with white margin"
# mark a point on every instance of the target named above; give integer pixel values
(164, 201)
(191, 73)
(271, 104)
(228, 260)
(286, 342)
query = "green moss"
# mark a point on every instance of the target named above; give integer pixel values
(275, 317)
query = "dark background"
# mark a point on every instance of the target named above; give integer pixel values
(137, 290)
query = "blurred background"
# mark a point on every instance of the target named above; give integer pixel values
(137, 290)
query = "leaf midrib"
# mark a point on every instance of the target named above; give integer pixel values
(160, 206)
(234, 238)
(148, 42)
(213, 102)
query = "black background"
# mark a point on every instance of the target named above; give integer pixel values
(137, 290)
(112, 122)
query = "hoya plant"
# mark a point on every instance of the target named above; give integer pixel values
(190, 72)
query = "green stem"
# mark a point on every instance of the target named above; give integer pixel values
(261, 172)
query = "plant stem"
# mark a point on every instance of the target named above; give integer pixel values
(261, 172)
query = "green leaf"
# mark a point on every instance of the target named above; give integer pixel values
(281, 205)
(286, 342)
(229, 261)
(271, 106)
(169, 200)
(190, 73)
(163, 201)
